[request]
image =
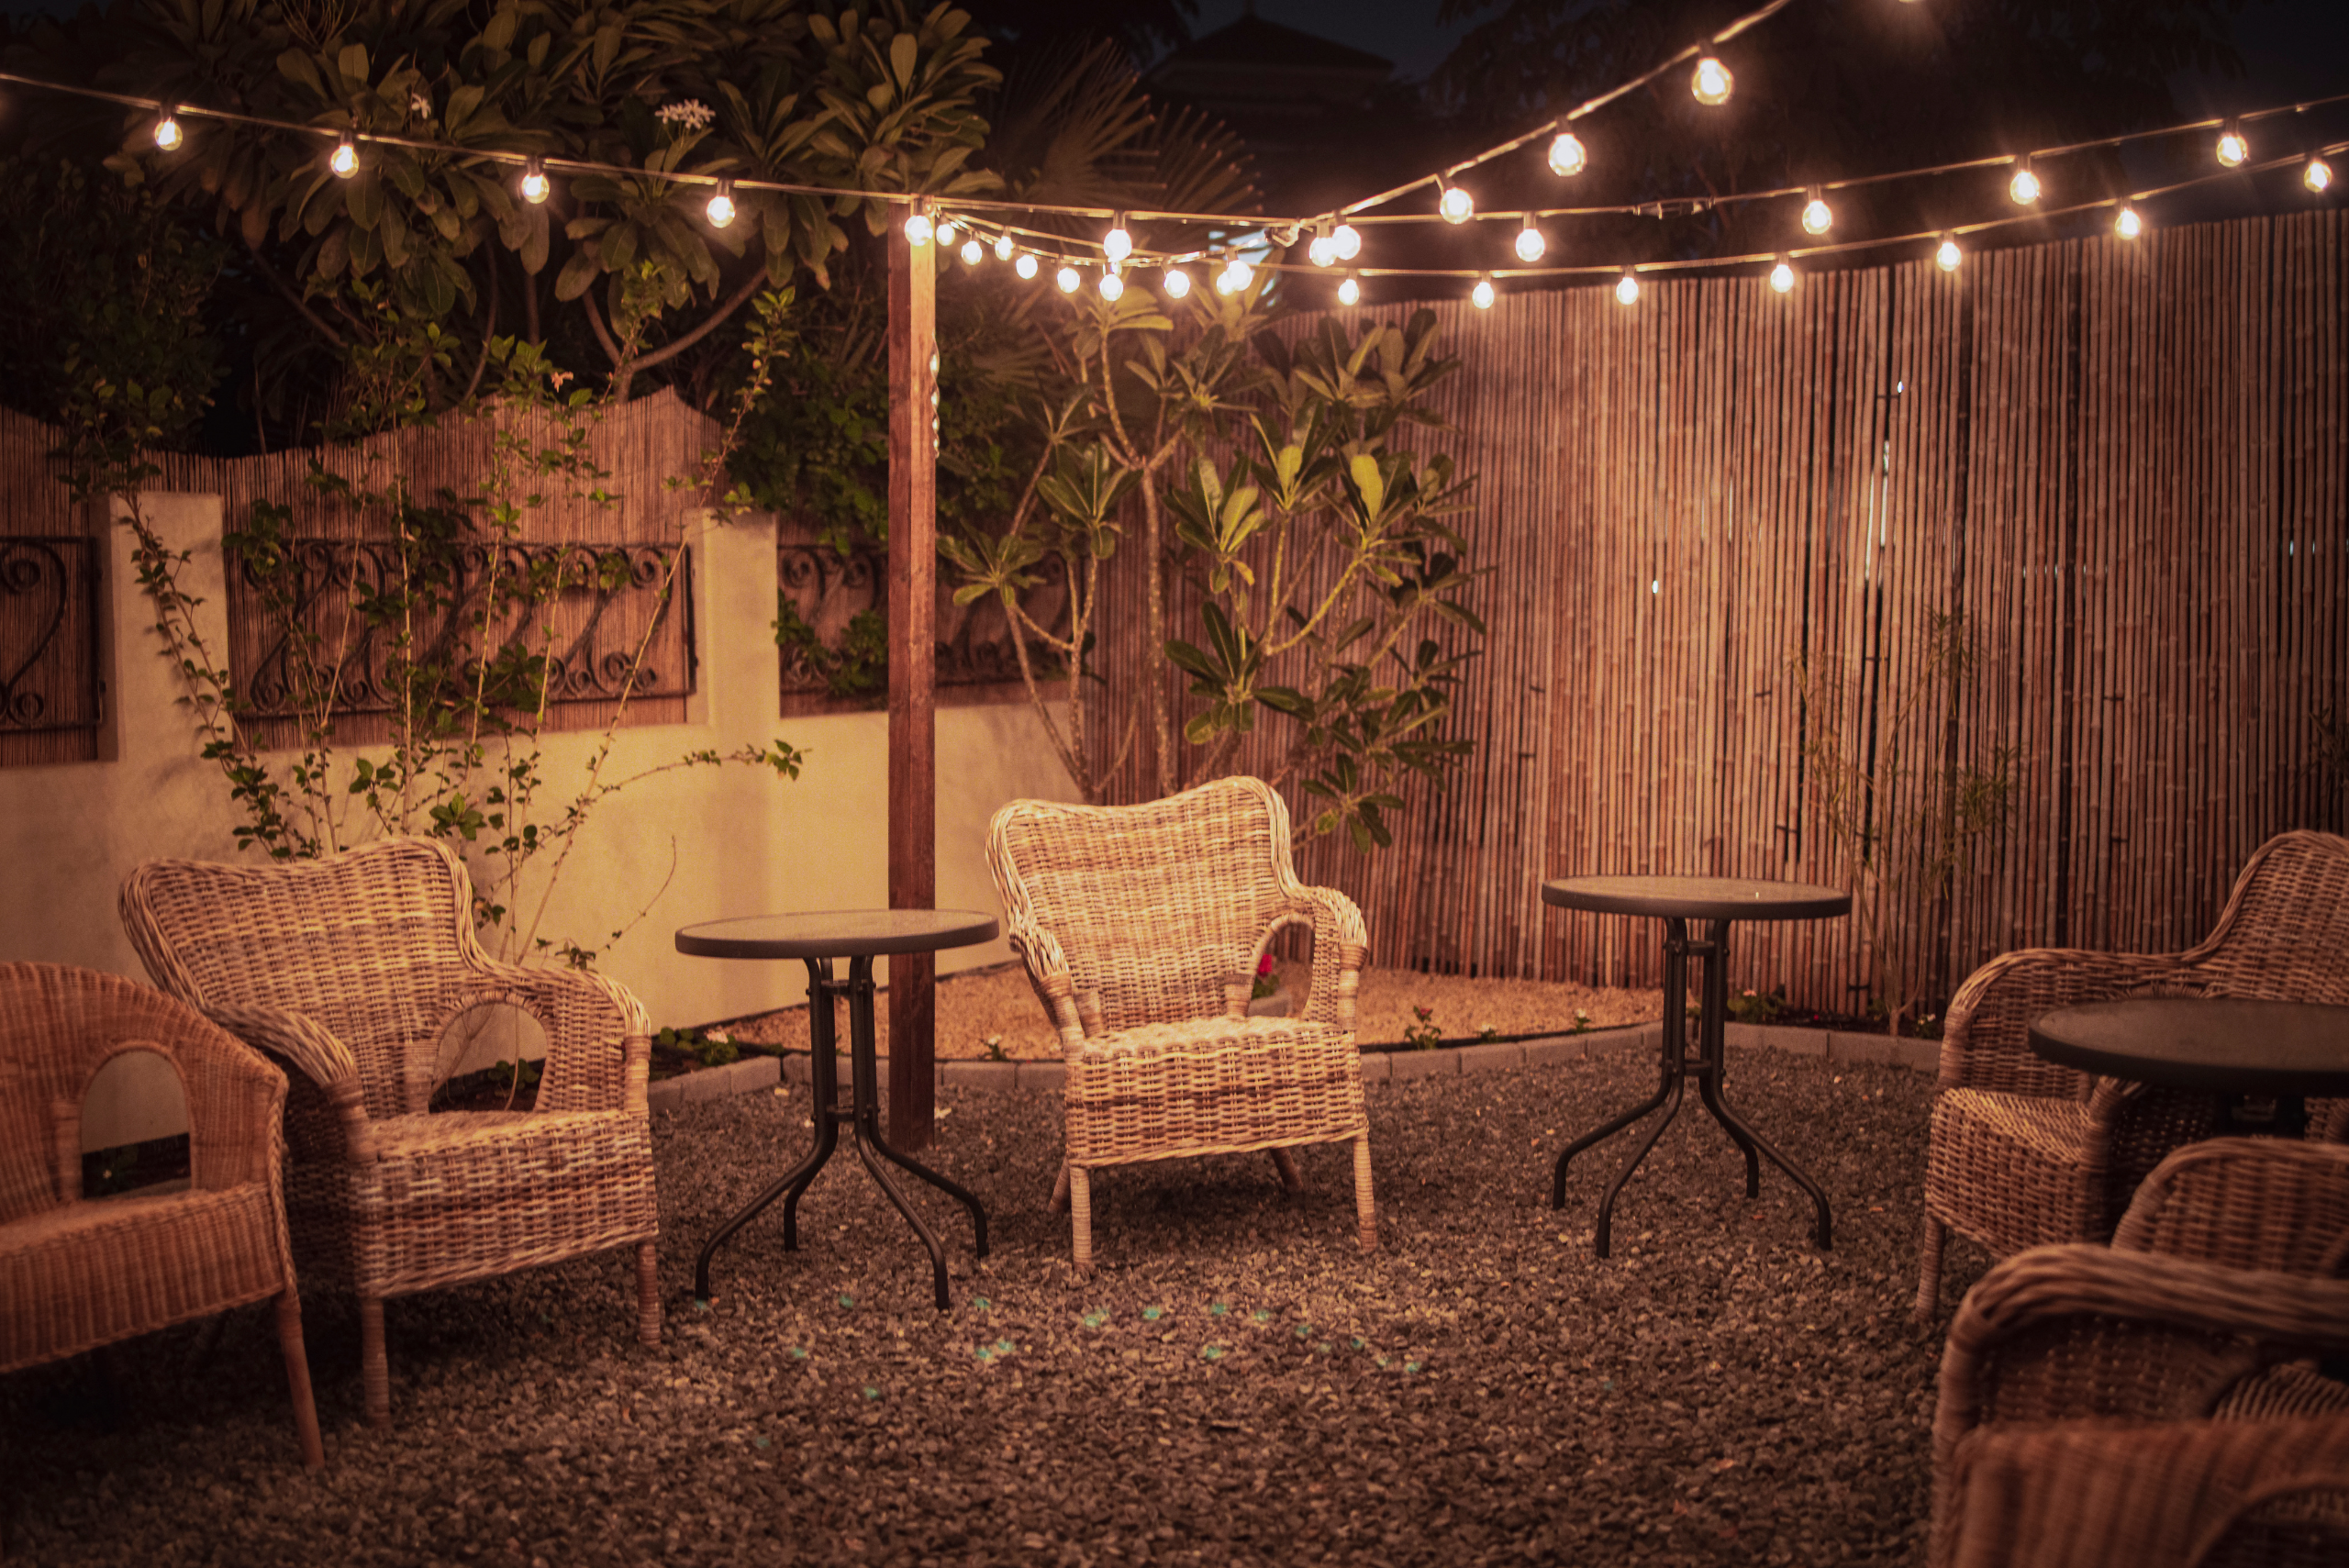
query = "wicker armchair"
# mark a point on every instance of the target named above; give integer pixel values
(348, 970)
(2025, 1153)
(2138, 1404)
(77, 1274)
(1141, 927)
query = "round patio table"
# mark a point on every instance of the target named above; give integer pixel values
(1719, 902)
(2223, 1045)
(860, 936)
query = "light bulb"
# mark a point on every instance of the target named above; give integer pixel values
(1948, 255)
(1567, 154)
(1067, 279)
(1003, 247)
(2024, 186)
(1346, 240)
(1482, 294)
(1456, 205)
(1322, 252)
(1349, 292)
(2317, 176)
(1529, 243)
(1712, 82)
(167, 132)
(345, 159)
(1627, 290)
(2232, 148)
(1118, 244)
(1112, 285)
(534, 181)
(2128, 225)
(918, 230)
(1236, 275)
(946, 232)
(721, 204)
(1178, 282)
(973, 252)
(1025, 266)
(1782, 276)
(1818, 217)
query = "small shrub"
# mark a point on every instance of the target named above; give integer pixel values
(1423, 1035)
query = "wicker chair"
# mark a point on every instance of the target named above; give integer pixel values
(2024, 1152)
(348, 970)
(77, 1274)
(2137, 1404)
(1141, 927)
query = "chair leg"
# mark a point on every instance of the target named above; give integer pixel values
(375, 1375)
(297, 1374)
(1060, 1190)
(1080, 1208)
(1366, 1201)
(1928, 1270)
(648, 1295)
(1292, 1179)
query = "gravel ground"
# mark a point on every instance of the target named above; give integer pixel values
(1234, 1383)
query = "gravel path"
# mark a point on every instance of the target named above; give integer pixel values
(1234, 1383)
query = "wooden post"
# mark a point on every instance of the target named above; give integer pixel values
(913, 758)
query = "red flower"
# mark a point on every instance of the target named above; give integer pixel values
(1265, 964)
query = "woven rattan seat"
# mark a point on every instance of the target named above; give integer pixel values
(2009, 1171)
(1141, 927)
(75, 1273)
(348, 970)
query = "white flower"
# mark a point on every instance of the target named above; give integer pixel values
(1581, 1016)
(995, 1039)
(718, 1037)
(690, 114)
(419, 105)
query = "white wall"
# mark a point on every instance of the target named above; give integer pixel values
(745, 843)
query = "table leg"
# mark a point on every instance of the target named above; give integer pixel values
(823, 1089)
(1711, 1027)
(1675, 1054)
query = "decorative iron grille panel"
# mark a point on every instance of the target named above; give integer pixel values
(49, 634)
(827, 591)
(588, 607)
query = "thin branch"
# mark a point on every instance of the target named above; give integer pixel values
(293, 298)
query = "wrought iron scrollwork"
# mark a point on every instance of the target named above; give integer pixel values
(49, 648)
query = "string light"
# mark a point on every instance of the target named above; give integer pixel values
(2127, 224)
(1112, 285)
(1178, 282)
(919, 231)
(973, 252)
(1025, 266)
(721, 206)
(1003, 250)
(1482, 294)
(946, 232)
(1818, 217)
(1712, 82)
(2024, 186)
(1529, 243)
(1456, 205)
(1323, 250)
(167, 132)
(1782, 276)
(534, 181)
(2233, 147)
(1567, 154)
(1346, 241)
(1349, 292)
(344, 160)
(1067, 279)
(1236, 275)
(1118, 244)
(1627, 290)
(1948, 255)
(2318, 175)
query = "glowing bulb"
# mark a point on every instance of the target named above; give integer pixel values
(534, 182)
(2232, 148)
(1118, 244)
(2024, 186)
(1067, 279)
(1948, 255)
(1236, 275)
(1818, 217)
(1457, 205)
(1003, 247)
(1349, 292)
(1025, 266)
(1322, 252)
(1627, 291)
(1529, 243)
(946, 232)
(1782, 276)
(1346, 241)
(167, 133)
(345, 161)
(721, 204)
(918, 231)
(2317, 176)
(1567, 154)
(1112, 285)
(1482, 294)
(973, 252)
(1712, 82)
(2128, 225)
(1178, 282)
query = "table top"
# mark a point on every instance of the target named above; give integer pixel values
(838, 933)
(1696, 898)
(2227, 1045)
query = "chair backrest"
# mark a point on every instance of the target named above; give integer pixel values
(2285, 930)
(1155, 906)
(374, 944)
(59, 1026)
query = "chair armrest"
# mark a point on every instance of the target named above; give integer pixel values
(2245, 1202)
(236, 1110)
(599, 1048)
(1986, 1042)
(313, 1050)
(1340, 947)
(1041, 956)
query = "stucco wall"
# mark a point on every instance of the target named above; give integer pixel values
(743, 841)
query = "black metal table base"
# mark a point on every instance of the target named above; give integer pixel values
(1705, 1068)
(864, 1121)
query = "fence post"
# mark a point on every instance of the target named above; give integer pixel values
(913, 732)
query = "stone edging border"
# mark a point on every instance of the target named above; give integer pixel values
(755, 1073)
